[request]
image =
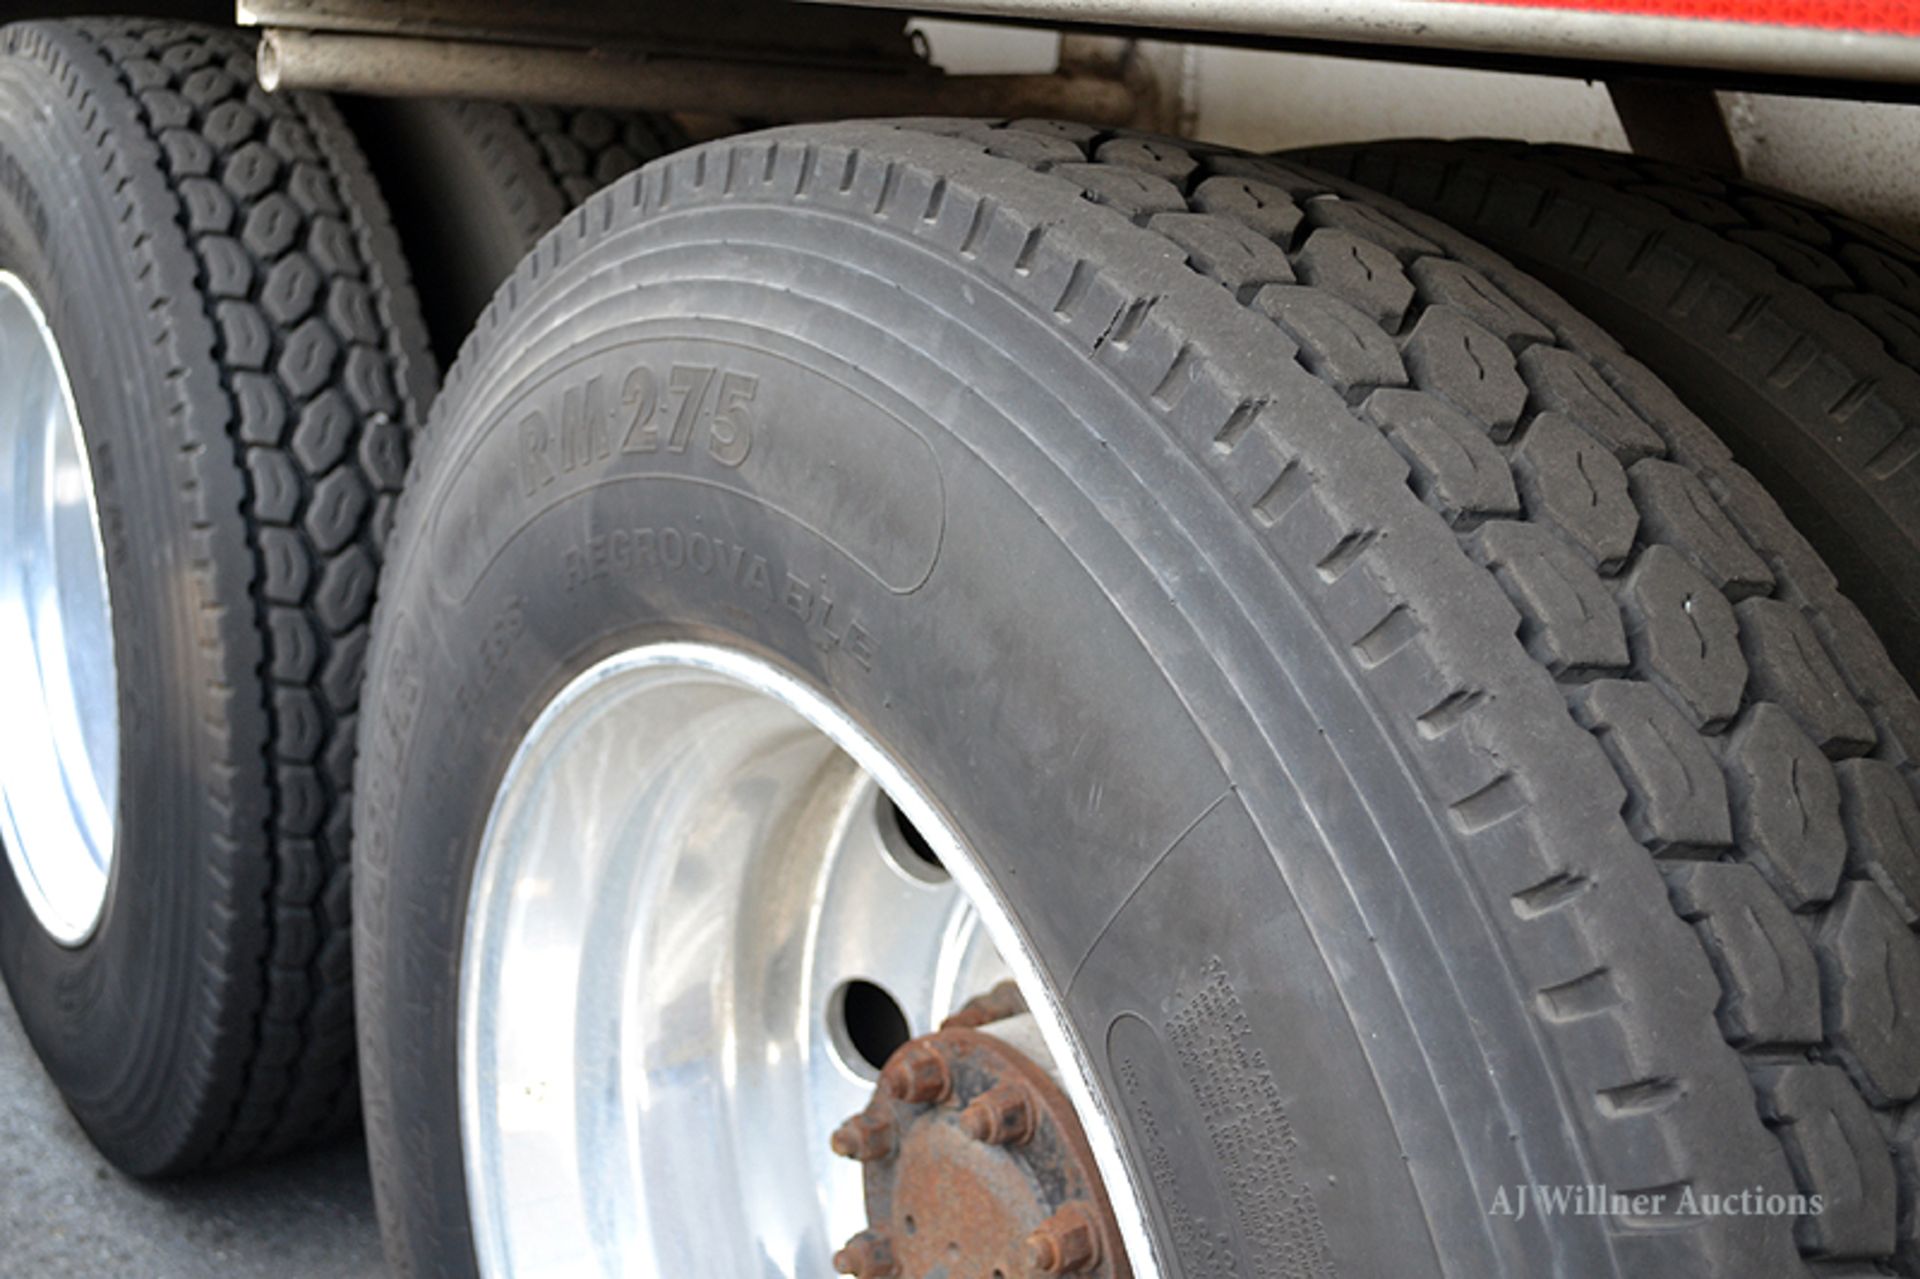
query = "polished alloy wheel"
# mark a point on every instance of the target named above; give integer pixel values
(59, 751)
(707, 911)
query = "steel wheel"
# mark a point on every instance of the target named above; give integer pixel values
(698, 927)
(59, 756)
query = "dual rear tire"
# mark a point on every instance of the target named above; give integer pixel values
(246, 363)
(215, 363)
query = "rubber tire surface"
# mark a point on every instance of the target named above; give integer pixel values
(245, 352)
(474, 185)
(1424, 761)
(1792, 329)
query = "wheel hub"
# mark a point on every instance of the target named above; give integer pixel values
(707, 916)
(975, 1165)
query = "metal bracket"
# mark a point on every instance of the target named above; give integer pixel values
(1681, 123)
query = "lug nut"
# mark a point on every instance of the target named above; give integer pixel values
(998, 1004)
(917, 1074)
(1065, 1243)
(868, 1255)
(1000, 1116)
(864, 1138)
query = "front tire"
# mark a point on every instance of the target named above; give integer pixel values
(1258, 590)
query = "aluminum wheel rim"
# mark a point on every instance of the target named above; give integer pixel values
(59, 753)
(687, 859)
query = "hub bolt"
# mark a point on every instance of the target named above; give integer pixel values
(868, 1255)
(917, 1074)
(1065, 1243)
(864, 1138)
(1000, 1116)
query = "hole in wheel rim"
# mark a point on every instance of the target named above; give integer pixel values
(867, 1025)
(906, 846)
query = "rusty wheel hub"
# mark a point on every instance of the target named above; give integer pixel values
(975, 1164)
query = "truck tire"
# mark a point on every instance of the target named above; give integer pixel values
(1418, 762)
(1793, 330)
(517, 170)
(218, 278)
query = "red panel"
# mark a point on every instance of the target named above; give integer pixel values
(1880, 17)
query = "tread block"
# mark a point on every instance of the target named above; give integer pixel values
(1676, 797)
(1559, 381)
(1788, 219)
(1786, 806)
(245, 337)
(1362, 273)
(1766, 968)
(1836, 1151)
(300, 729)
(383, 453)
(1336, 341)
(1693, 206)
(352, 312)
(271, 226)
(1870, 966)
(288, 565)
(209, 206)
(290, 289)
(1452, 464)
(228, 266)
(308, 357)
(339, 502)
(326, 431)
(1885, 273)
(312, 189)
(1369, 224)
(250, 171)
(1028, 148)
(330, 243)
(263, 409)
(1138, 195)
(1259, 206)
(1225, 250)
(1444, 282)
(1882, 819)
(340, 680)
(1790, 667)
(1456, 359)
(1684, 634)
(1159, 156)
(1569, 620)
(296, 649)
(1801, 263)
(1675, 508)
(1570, 479)
(276, 485)
(1896, 326)
(345, 590)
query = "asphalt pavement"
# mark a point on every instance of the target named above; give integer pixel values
(65, 1212)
